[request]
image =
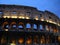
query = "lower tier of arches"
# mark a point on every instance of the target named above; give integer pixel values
(28, 38)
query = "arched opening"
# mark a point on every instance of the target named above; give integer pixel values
(55, 30)
(47, 39)
(41, 27)
(12, 42)
(58, 38)
(42, 40)
(51, 29)
(5, 26)
(47, 27)
(21, 40)
(34, 26)
(28, 26)
(3, 40)
(13, 25)
(36, 40)
(29, 40)
(20, 25)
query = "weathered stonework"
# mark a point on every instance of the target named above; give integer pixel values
(24, 25)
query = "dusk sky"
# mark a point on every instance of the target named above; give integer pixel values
(50, 5)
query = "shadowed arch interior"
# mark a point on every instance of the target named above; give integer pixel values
(5, 25)
(13, 25)
(21, 25)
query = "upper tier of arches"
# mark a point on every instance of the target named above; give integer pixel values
(28, 26)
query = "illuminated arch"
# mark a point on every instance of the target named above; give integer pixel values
(12, 41)
(21, 40)
(42, 40)
(55, 30)
(3, 40)
(20, 25)
(5, 25)
(28, 40)
(47, 27)
(13, 25)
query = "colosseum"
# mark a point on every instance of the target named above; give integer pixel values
(26, 25)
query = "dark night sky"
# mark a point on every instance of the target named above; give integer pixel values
(50, 5)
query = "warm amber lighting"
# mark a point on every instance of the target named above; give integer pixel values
(58, 38)
(27, 17)
(54, 23)
(6, 16)
(47, 28)
(50, 21)
(6, 29)
(42, 19)
(19, 16)
(21, 40)
(58, 24)
(36, 18)
(29, 41)
(47, 20)
(42, 41)
(13, 16)
(22, 17)
(55, 30)
(12, 44)
(3, 40)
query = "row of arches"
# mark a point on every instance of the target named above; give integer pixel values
(28, 26)
(19, 25)
(29, 40)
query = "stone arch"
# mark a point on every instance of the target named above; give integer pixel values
(20, 25)
(36, 39)
(13, 25)
(55, 30)
(47, 39)
(51, 28)
(47, 27)
(42, 39)
(5, 25)
(12, 41)
(28, 25)
(28, 39)
(34, 26)
(3, 40)
(41, 27)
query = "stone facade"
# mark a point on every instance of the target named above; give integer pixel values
(24, 25)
